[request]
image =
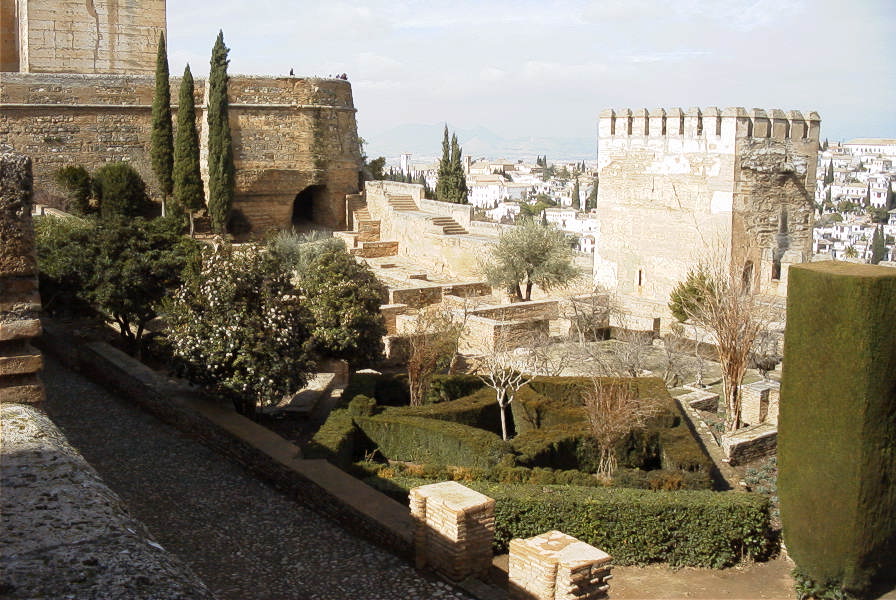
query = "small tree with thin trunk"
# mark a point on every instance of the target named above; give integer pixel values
(614, 411)
(723, 301)
(431, 346)
(506, 370)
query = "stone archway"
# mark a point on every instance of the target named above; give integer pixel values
(307, 207)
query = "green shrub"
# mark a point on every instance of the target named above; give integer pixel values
(479, 409)
(337, 440)
(685, 528)
(392, 390)
(121, 191)
(78, 185)
(445, 388)
(431, 441)
(533, 410)
(362, 406)
(555, 447)
(359, 384)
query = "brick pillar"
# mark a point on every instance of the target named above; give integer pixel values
(556, 566)
(19, 300)
(759, 402)
(454, 527)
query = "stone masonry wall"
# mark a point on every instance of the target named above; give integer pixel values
(19, 300)
(677, 187)
(74, 36)
(288, 134)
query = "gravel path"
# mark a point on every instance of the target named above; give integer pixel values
(242, 537)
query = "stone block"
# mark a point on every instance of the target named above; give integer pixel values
(20, 361)
(758, 400)
(19, 329)
(454, 528)
(21, 389)
(555, 566)
(17, 250)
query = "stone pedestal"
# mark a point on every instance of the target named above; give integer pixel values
(454, 529)
(759, 402)
(555, 566)
(19, 300)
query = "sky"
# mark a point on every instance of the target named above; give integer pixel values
(547, 69)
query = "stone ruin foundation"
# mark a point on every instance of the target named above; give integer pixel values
(19, 299)
(556, 566)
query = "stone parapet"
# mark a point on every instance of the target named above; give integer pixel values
(19, 300)
(454, 529)
(556, 566)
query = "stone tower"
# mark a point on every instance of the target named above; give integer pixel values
(676, 186)
(77, 88)
(80, 36)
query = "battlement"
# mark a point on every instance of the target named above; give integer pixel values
(710, 123)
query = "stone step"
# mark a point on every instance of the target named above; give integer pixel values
(448, 226)
(20, 360)
(375, 249)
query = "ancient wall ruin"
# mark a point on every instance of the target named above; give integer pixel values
(677, 186)
(74, 36)
(295, 140)
(19, 299)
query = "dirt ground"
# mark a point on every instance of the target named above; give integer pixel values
(767, 580)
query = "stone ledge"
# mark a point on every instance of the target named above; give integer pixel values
(73, 537)
(19, 329)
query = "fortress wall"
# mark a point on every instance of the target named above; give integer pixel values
(9, 36)
(678, 186)
(74, 36)
(288, 134)
(663, 199)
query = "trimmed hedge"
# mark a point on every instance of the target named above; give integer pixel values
(417, 439)
(479, 409)
(336, 440)
(686, 528)
(445, 388)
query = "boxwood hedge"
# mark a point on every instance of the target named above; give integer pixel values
(684, 528)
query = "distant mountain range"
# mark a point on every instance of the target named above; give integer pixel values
(425, 141)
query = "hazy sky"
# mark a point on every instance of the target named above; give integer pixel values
(547, 68)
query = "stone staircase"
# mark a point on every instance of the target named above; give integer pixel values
(448, 226)
(401, 202)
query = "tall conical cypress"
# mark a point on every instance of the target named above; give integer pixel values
(576, 196)
(878, 247)
(458, 192)
(221, 172)
(188, 191)
(443, 184)
(161, 147)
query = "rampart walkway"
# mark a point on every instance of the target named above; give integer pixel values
(242, 537)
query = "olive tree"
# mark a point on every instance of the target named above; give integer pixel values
(530, 254)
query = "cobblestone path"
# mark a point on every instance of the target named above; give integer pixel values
(242, 537)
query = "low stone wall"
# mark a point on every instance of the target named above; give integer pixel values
(316, 483)
(750, 443)
(19, 300)
(65, 533)
(520, 311)
(416, 297)
(759, 402)
(556, 566)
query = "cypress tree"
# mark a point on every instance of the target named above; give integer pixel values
(221, 172)
(443, 184)
(459, 179)
(829, 174)
(189, 194)
(161, 150)
(878, 247)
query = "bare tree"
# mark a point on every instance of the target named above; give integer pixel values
(614, 411)
(432, 345)
(722, 300)
(506, 369)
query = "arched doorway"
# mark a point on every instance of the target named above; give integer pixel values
(306, 208)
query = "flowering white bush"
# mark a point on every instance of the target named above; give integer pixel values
(237, 326)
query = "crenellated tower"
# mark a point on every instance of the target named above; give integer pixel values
(677, 186)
